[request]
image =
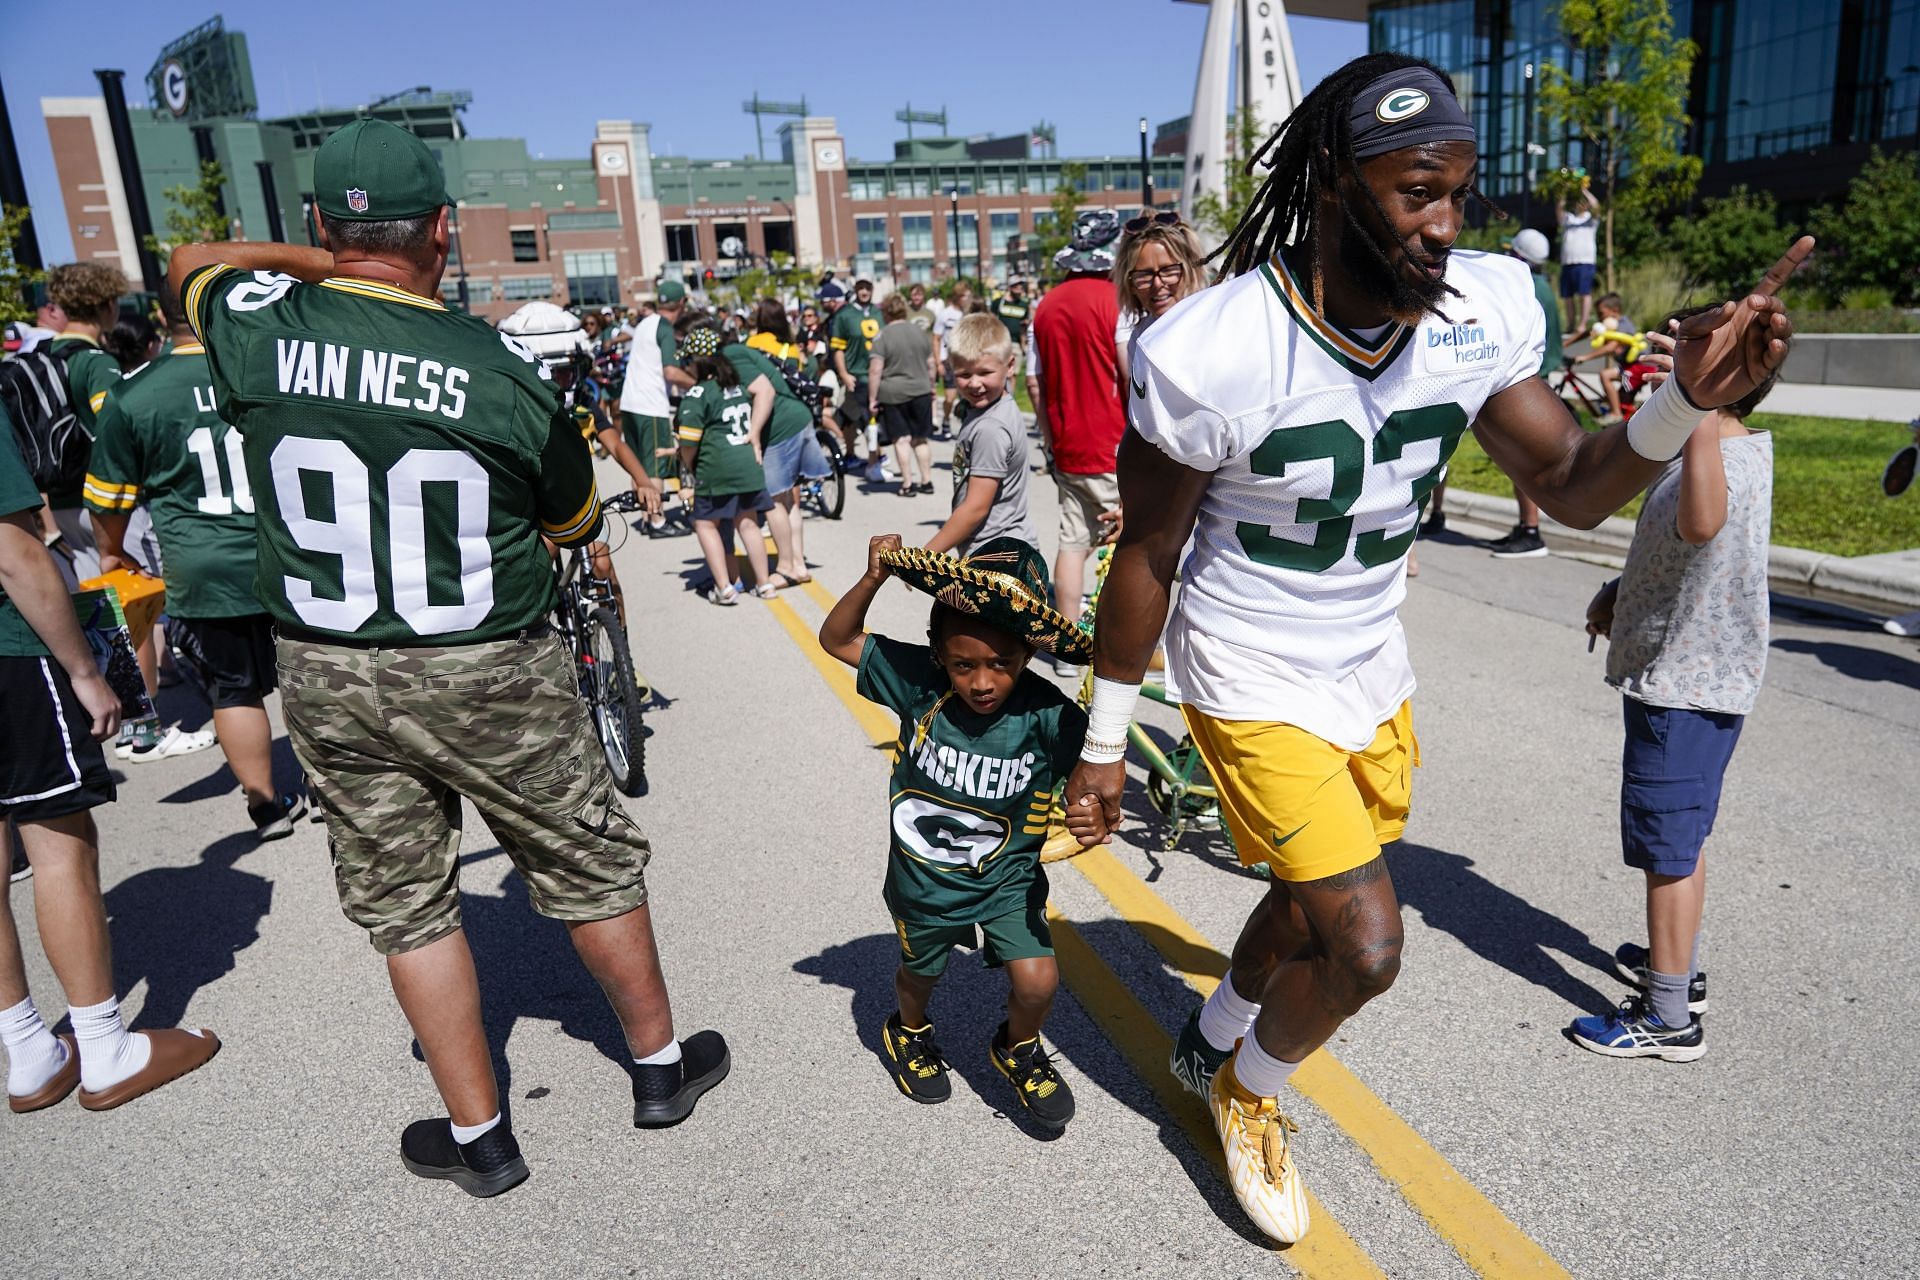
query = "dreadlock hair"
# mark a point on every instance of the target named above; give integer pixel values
(1308, 154)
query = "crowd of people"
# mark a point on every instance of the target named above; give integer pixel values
(1270, 428)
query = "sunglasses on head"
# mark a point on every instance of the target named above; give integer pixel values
(1165, 218)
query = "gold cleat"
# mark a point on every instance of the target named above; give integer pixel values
(1256, 1137)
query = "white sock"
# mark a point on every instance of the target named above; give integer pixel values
(1226, 1016)
(34, 1054)
(108, 1052)
(465, 1133)
(1259, 1072)
(661, 1057)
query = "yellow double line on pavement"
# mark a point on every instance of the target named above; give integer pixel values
(1486, 1239)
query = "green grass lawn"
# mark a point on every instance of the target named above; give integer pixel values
(1826, 484)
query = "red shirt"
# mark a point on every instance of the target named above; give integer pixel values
(1080, 374)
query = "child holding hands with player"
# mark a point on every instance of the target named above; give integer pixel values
(983, 744)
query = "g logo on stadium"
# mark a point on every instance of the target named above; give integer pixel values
(945, 834)
(1400, 104)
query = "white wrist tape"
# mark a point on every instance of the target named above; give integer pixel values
(1107, 719)
(1658, 430)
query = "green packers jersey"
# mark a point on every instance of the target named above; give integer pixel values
(159, 440)
(403, 458)
(970, 794)
(718, 422)
(790, 417)
(91, 373)
(1015, 316)
(17, 494)
(853, 330)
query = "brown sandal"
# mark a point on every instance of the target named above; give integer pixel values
(176, 1051)
(64, 1082)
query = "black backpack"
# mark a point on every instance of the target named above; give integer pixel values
(53, 443)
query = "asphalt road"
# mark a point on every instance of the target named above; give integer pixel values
(1457, 1134)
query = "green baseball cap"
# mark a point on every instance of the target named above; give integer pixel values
(672, 291)
(373, 171)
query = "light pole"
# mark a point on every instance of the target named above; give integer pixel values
(1526, 137)
(1146, 171)
(953, 228)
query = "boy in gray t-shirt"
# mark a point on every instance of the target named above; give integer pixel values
(990, 451)
(1686, 623)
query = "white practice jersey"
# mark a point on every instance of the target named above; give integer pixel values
(1323, 447)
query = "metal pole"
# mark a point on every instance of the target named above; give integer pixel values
(275, 230)
(1526, 147)
(13, 192)
(953, 228)
(453, 226)
(136, 190)
(1146, 170)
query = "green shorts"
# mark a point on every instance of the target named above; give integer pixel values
(646, 436)
(1021, 934)
(392, 739)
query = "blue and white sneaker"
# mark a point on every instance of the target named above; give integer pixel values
(1634, 1031)
(1630, 962)
(1194, 1061)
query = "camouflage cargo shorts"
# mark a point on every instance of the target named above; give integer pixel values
(391, 739)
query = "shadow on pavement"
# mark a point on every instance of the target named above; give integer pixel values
(1495, 923)
(179, 928)
(286, 769)
(1857, 662)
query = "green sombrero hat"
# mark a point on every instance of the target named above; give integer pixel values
(1005, 584)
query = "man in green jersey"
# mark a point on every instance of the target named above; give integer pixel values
(159, 440)
(89, 293)
(850, 337)
(1015, 312)
(404, 461)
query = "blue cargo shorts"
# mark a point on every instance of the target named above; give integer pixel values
(1672, 767)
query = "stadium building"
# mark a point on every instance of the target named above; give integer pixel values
(601, 226)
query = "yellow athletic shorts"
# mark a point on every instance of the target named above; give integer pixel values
(1308, 808)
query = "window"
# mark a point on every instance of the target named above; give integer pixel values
(969, 245)
(725, 231)
(524, 288)
(871, 236)
(874, 188)
(526, 244)
(478, 291)
(513, 178)
(916, 234)
(779, 237)
(683, 242)
(913, 185)
(999, 227)
(921, 271)
(1041, 184)
(593, 277)
(607, 221)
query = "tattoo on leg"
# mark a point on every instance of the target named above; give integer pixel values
(1365, 873)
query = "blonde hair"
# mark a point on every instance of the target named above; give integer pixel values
(84, 289)
(1181, 244)
(894, 307)
(979, 336)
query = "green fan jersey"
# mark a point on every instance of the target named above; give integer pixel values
(404, 458)
(718, 422)
(1016, 315)
(91, 373)
(970, 794)
(853, 331)
(17, 495)
(159, 440)
(790, 416)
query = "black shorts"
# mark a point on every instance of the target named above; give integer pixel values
(233, 656)
(50, 766)
(853, 409)
(911, 419)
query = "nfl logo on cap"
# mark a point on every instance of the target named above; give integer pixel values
(356, 200)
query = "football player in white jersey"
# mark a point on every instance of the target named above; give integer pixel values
(1292, 419)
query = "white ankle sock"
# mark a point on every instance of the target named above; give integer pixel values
(34, 1054)
(465, 1133)
(1259, 1072)
(108, 1052)
(1227, 1015)
(661, 1057)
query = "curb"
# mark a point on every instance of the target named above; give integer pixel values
(1812, 575)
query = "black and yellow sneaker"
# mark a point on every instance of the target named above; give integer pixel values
(1028, 1069)
(918, 1066)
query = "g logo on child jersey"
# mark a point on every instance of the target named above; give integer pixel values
(945, 834)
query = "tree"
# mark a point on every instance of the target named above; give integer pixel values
(15, 278)
(194, 215)
(1051, 236)
(1629, 105)
(1868, 242)
(1729, 241)
(1217, 213)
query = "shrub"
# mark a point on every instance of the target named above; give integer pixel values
(1655, 288)
(1730, 241)
(1869, 241)
(1867, 298)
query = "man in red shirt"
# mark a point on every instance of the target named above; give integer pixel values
(1078, 405)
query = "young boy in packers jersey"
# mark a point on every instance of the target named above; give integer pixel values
(982, 745)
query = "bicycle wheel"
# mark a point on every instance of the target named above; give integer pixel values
(829, 496)
(615, 702)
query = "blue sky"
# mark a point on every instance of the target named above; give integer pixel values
(1093, 70)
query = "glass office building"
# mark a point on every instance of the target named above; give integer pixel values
(1788, 97)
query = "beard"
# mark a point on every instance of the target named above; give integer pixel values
(1390, 283)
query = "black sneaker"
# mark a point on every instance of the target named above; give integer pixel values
(1042, 1092)
(1630, 962)
(664, 1096)
(1522, 544)
(1436, 524)
(925, 488)
(486, 1166)
(918, 1066)
(274, 820)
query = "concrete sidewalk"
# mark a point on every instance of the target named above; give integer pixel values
(1887, 584)
(1827, 400)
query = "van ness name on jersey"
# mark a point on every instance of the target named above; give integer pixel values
(360, 375)
(982, 777)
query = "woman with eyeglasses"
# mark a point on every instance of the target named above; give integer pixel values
(1158, 264)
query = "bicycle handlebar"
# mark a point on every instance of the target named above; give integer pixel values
(621, 502)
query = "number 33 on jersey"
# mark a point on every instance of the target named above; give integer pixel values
(402, 458)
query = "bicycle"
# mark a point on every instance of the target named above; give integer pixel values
(586, 616)
(826, 495)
